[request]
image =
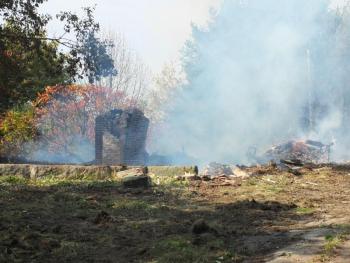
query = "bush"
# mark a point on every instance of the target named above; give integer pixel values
(17, 128)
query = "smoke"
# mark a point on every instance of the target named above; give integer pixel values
(262, 72)
(81, 150)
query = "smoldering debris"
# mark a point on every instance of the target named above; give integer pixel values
(294, 157)
(301, 151)
(291, 156)
(219, 175)
(225, 175)
(217, 169)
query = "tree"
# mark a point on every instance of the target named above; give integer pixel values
(341, 56)
(165, 86)
(30, 60)
(89, 54)
(17, 128)
(65, 118)
(133, 78)
(25, 70)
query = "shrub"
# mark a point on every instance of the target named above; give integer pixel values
(17, 128)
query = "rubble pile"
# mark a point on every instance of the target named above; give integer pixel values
(294, 157)
(218, 175)
(214, 170)
(307, 151)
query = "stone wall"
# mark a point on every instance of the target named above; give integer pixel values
(31, 171)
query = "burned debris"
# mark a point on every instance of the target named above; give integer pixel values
(303, 151)
(292, 157)
(307, 151)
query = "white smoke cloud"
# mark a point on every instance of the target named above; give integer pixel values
(251, 80)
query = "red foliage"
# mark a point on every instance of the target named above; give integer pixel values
(68, 112)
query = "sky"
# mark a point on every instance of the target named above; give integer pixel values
(155, 29)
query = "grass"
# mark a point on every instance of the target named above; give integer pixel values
(271, 186)
(171, 171)
(127, 204)
(274, 189)
(64, 209)
(168, 181)
(12, 180)
(56, 218)
(304, 210)
(332, 242)
(178, 249)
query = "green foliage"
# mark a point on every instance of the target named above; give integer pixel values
(332, 242)
(12, 180)
(304, 210)
(30, 60)
(88, 51)
(17, 128)
(26, 69)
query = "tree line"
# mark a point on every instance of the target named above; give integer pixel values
(52, 88)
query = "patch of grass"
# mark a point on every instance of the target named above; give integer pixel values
(265, 186)
(332, 242)
(67, 250)
(304, 210)
(168, 182)
(127, 204)
(181, 249)
(63, 183)
(70, 202)
(274, 189)
(253, 181)
(13, 180)
(154, 225)
(171, 171)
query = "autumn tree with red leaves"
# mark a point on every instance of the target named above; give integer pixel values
(66, 115)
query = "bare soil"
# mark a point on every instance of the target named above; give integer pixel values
(273, 216)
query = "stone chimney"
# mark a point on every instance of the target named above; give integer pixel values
(120, 137)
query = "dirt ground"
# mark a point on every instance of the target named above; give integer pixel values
(273, 216)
